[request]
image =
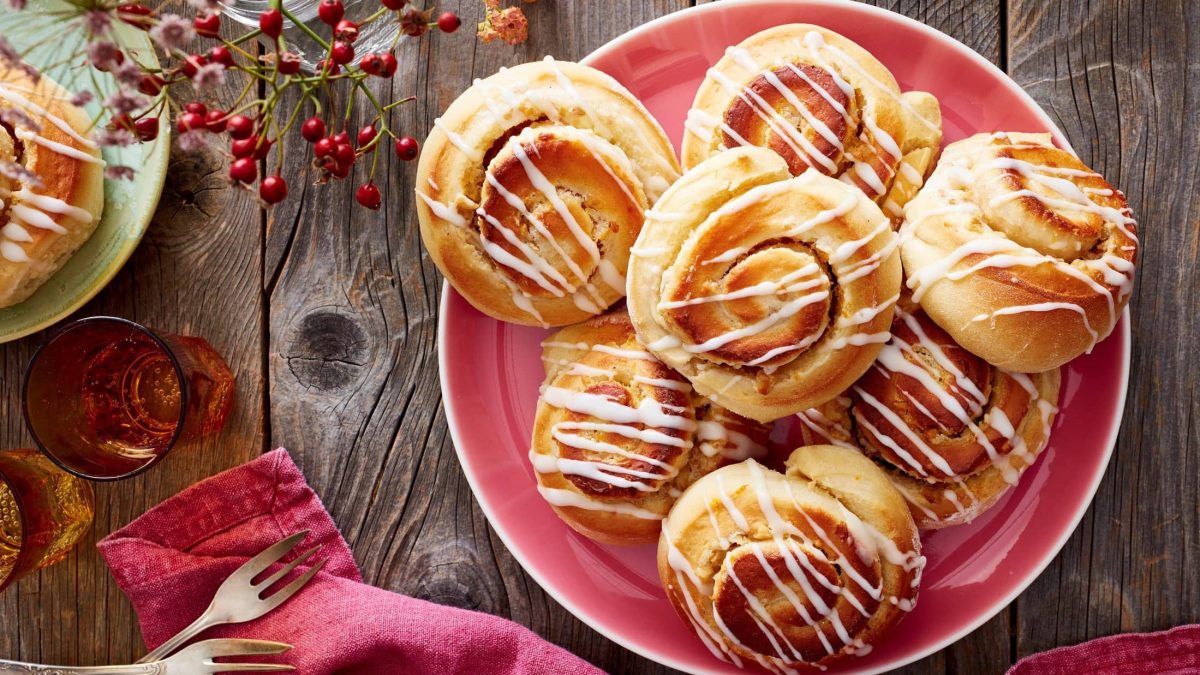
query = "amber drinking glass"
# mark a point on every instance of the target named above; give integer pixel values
(106, 398)
(43, 513)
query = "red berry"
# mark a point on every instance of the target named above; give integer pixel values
(135, 15)
(221, 54)
(106, 67)
(191, 65)
(331, 11)
(346, 30)
(342, 52)
(313, 129)
(394, 4)
(344, 154)
(264, 147)
(339, 170)
(325, 147)
(215, 121)
(448, 22)
(366, 135)
(288, 63)
(240, 126)
(368, 195)
(146, 128)
(208, 25)
(243, 147)
(151, 85)
(389, 64)
(407, 148)
(341, 138)
(371, 64)
(190, 122)
(273, 189)
(196, 107)
(270, 23)
(244, 170)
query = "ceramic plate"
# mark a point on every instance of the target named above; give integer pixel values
(490, 373)
(128, 204)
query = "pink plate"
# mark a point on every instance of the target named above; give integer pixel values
(491, 370)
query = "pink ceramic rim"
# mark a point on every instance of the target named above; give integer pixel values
(984, 615)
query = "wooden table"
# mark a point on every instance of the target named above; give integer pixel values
(327, 313)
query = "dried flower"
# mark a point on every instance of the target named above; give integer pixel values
(15, 117)
(82, 98)
(120, 137)
(173, 32)
(10, 58)
(205, 6)
(104, 55)
(415, 22)
(191, 141)
(124, 102)
(208, 77)
(118, 172)
(129, 73)
(510, 25)
(19, 173)
(97, 22)
(17, 4)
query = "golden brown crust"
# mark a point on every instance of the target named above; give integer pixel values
(532, 187)
(952, 432)
(819, 101)
(41, 226)
(799, 570)
(618, 434)
(1020, 251)
(771, 294)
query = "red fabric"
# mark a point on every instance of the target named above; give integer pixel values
(1171, 651)
(171, 560)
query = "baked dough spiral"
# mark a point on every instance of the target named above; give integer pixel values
(822, 102)
(1023, 254)
(792, 571)
(952, 432)
(532, 187)
(619, 435)
(52, 191)
(771, 294)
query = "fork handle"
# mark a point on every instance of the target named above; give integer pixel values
(201, 624)
(19, 668)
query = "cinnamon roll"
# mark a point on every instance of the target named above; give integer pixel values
(771, 294)
(51, 185)
(619, 435)
(952, 432)
(821, 102)
(1023, 254)
(532, 187)
(794, 571)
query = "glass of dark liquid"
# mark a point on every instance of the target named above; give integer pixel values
(106, 398)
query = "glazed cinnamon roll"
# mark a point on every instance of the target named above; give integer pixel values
(821, 102)
(619, 435)
(52, 185)
(952, 432)
(532, 187)
(794, 571)
(771, 294)
(1023, 254)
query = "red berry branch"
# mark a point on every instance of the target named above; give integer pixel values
(194, 55)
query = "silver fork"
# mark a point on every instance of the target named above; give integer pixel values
(239, 599)
(196, 659)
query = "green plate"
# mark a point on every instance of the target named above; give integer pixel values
(128, 204)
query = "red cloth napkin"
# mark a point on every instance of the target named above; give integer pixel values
(171, 560)
(1170, 651)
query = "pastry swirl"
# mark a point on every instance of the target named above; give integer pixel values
(952, 432)
(532, 187)
(1023, 254)
(771, 294)
(52, 189)
(619, 435)
(821, 102)
(793, 571)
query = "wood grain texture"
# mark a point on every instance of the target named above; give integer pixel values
(328, 314)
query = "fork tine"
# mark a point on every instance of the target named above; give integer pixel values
(261, 562)
(288, 591)
(248, 668)
(234, 647)
(264, 585)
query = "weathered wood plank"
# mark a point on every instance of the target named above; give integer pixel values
(1115, 77)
